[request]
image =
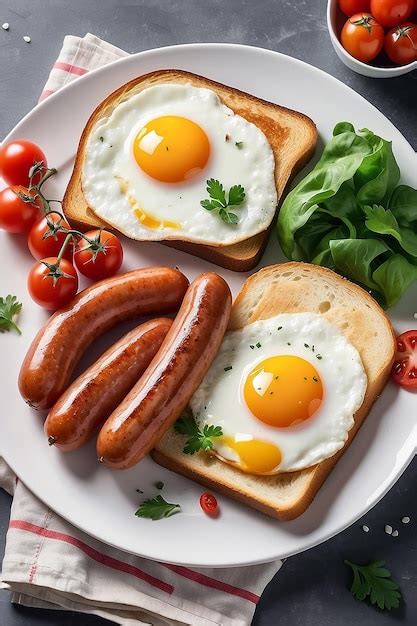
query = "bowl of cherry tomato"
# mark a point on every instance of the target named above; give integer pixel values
(376, 38)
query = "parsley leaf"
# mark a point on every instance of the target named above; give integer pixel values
(216, 191)
(197, 439)
(9, 307)
(236, 195)
(374, 581)
(157, 508)
(218, 200)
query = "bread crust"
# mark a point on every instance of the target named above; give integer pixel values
(226, 479)
(292, 136)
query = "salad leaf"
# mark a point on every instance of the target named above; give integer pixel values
(378, 174)
(311, 234)
(349, 214)
(354, 258)
(340, 160)
(403, 204)
(393, 277)
(344, 204)
(383, 222)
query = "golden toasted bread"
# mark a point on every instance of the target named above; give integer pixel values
(294, 288)
(292, 137)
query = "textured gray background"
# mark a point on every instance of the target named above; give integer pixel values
(311, 589)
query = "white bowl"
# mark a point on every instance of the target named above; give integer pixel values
(334, 22)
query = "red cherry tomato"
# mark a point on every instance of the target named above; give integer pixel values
(101, 258)
(45, 239)
(362, 37)
(391, 12)
(209, 504)
(16, 160)
(350, 7)
(19, 208)
(401, 43)
(404, 370)
(52, 284)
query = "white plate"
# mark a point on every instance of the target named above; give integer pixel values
(102, 502)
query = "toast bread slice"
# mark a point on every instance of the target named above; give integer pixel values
(292, 137)
(294, 288)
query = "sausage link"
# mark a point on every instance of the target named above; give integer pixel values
(91, 398)
(176, 371)
(58, 346)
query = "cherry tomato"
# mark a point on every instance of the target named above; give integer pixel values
(18, 209)
(362, 37)
(52, 284)
(391, 12)
(101, 258)
(404, 370)
(350, 7)
(401, 43)
(209, 504)
(45, 239)
(16, 160)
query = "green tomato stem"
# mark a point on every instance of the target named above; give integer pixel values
(64, 245)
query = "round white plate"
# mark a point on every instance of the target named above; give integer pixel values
(102, 502)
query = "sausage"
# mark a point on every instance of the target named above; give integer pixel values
(91, 398)
(164, 390)
(58, 346)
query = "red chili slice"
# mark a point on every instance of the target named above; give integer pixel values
(209, 504)
(404, 370)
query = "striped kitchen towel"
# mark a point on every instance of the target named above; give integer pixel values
(50, 564)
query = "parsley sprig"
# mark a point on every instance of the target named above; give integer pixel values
(197, 439)
(157, 508)
(9, 307)
(218, 201)
(374, 581)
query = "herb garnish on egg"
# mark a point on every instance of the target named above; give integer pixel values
(219, 203)
(197, 439)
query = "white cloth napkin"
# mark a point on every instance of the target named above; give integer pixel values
(50, 564)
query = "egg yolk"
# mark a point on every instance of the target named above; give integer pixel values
(256, 456)
(171, 149)
(283, 390)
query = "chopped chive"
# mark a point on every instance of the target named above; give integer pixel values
(258, 345)
(101, 138)
(288, 343)
(251, 346)
(279, 327)
(239, 144)
(315, 379)
(312, 347)
(139, 490)
(319, 357)
(229, 367)
(305, 377)
(306, 345)
(159, 484)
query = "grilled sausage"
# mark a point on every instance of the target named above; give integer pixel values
(176, 371)
(91, 398)
(58, 346)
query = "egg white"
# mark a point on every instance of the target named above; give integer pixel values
(109, 157)
(219, 399)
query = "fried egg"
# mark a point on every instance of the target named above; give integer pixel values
(284, 391)
(146, 167)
